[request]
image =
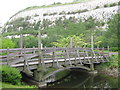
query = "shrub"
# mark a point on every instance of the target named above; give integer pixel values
(6, 43)
(45, 14)
(11, 75)
(113, 4)
(119, 3)
(85, 10)
(97, 7)
(106, 5)
(114, 49)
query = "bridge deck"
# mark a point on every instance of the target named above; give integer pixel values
(59, 60)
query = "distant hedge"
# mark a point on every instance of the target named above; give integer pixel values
(114, 49)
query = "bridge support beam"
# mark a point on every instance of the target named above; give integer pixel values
(26, 68)
(92, 67)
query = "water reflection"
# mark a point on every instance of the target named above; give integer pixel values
(81, 79)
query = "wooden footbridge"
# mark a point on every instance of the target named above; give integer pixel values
(28, 59)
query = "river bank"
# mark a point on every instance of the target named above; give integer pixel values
(110, 72)
(8, 85)
(110, 68)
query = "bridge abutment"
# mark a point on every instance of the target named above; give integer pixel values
(39, 73)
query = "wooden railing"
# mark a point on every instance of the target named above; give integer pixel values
(53, 56)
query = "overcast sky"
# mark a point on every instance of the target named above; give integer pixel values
(10, 7)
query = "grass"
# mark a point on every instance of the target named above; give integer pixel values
(6, 85)
(54, 5)
(61, 74)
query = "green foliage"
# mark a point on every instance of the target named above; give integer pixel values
(61, 74)
(8, 85)
(69, 27)
(114, 49)
(16, 41)
(106, 5)
(111, 34)
(11, 75)
(97, 7)
(113, 63)
(119, 3)
(113, 4)
(30, 41)
(6, 43)
(29, 31)
(77, 41)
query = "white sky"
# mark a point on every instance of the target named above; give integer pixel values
(10, 7)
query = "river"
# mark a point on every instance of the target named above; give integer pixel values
(81, 79)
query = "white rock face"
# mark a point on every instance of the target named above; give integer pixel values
(99, 14)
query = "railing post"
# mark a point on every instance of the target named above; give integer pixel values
(94, 56)
(65, 56)
(8, 58)
(56, 58)
(41, 59)
(108, 50)
(92, 42)
(87, 55)
(45, 48)
(79, 57)
(33, 49)
(21, 41)
(68, 57)
(39, 40)
(71, 42)
(103, 50)
(53, 64)
(98, 47)
(75, 53)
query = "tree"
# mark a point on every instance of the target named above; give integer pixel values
(30, 41)
(113, 31)
(78, 41)
(6, 43)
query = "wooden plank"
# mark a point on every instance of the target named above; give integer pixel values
(89, 62)
(50, 61)
(8, 58)
(95, 56)
(68, 57)
(58, 65)
(75, 55)
(78, 54)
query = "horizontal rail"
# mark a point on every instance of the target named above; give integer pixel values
(48, 55)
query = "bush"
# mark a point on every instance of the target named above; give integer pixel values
(5, 43)
(11, 75)
(119, 3)
(113, 4)
(114, 49)
(97, 7)
(106, 5)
